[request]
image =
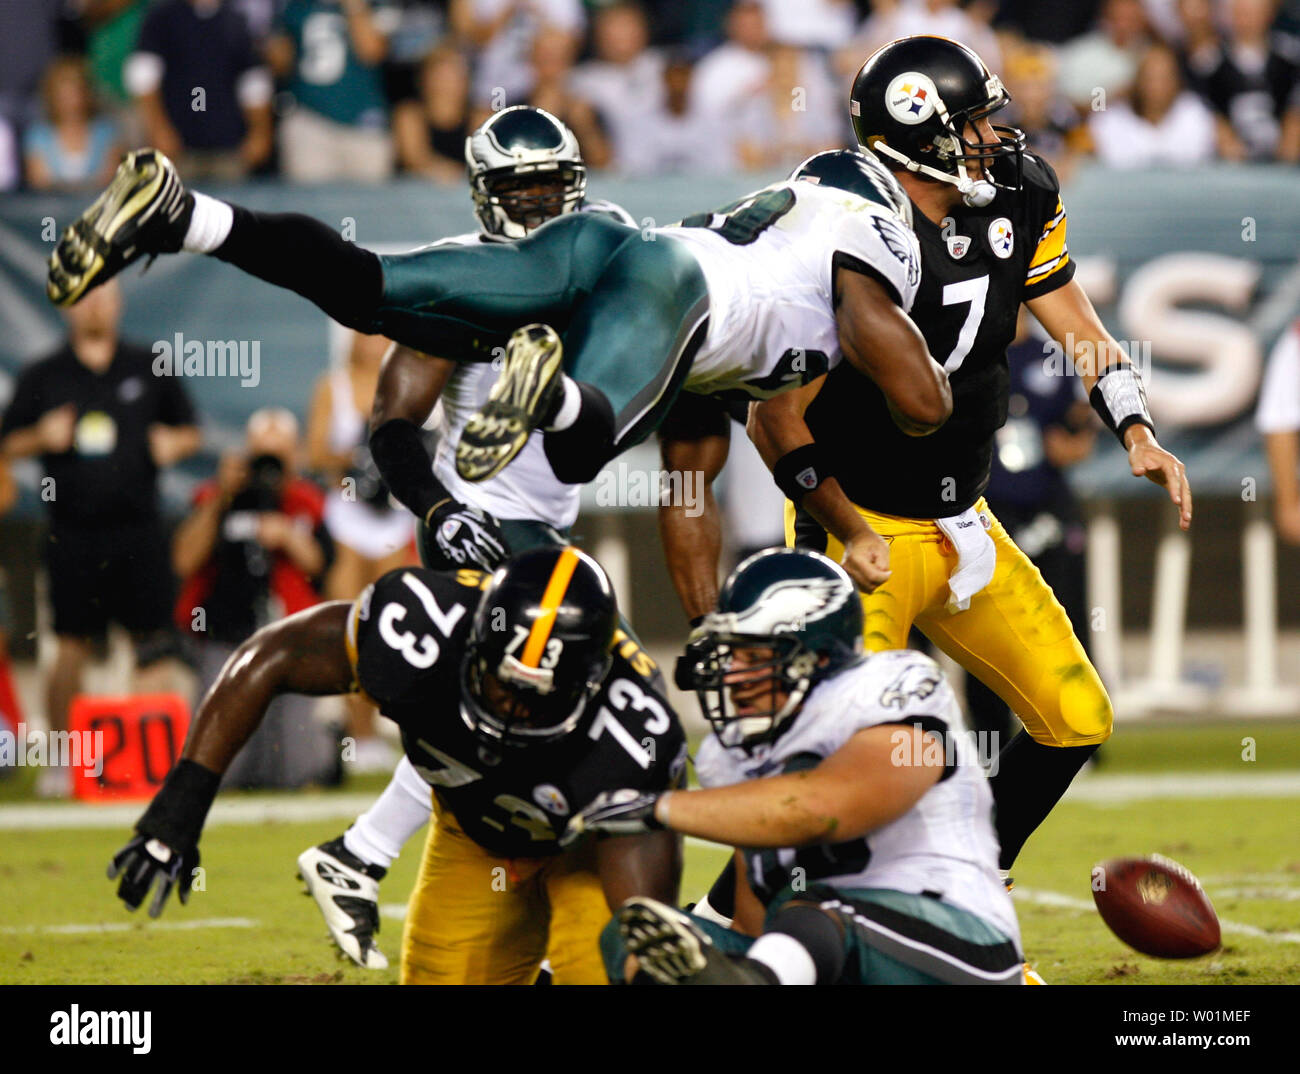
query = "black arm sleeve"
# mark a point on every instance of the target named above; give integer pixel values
(294, 251)
(403, 461)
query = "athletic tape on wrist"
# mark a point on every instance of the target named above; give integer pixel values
(1121, 400)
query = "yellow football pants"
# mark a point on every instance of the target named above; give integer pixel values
(478, 919)
(1015, 637)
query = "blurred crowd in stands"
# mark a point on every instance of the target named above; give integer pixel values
(321, 90)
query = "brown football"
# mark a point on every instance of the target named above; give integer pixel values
(1155, 906)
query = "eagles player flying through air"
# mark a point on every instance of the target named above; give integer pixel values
(863, 818)
(524, 167)
(759, 297)
(517, 711)
(906, 512)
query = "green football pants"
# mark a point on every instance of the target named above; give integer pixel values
(630, 308)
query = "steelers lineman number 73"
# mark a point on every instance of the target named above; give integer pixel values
(954, 294)
(422, 651)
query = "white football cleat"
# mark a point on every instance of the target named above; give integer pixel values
(347, 891)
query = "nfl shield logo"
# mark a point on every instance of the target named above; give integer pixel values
(807, 478)
(957, 246)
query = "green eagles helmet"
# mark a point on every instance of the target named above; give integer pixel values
(539, 648)
(910, 104)
(524, 168)
(802, 611)
(859, 173)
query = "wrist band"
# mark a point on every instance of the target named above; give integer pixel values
(404, 463)
(178, 810)
(1121, 400)
(801, 471)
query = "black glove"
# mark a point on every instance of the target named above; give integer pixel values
(165, 848)
(459, 535)
(623, 812)
(145, 861)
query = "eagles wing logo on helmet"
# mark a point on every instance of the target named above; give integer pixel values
(916, 680)
(789, 605)
(525, 167)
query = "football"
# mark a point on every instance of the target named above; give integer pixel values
(1156, 906)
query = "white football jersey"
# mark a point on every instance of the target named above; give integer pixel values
(768, 264)
(944, 845)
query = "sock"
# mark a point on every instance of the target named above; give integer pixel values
(578, 452)
(722, 896)
(401, 811)
(1031, 779)
(786, 957)
(708, 912)
(570, 405)
(296, 252)
(210, 223)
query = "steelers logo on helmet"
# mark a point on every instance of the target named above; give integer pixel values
(911, 97)
(1001, 237)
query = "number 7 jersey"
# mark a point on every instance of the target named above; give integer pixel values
(770, 261)
(405, 638)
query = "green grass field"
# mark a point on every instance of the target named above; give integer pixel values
(63, 925)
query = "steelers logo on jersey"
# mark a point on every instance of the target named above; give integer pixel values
(910, 98)
(551, 798)
(1001, 237)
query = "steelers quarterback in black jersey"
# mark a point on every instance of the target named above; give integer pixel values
(904, 510)
(519, 701)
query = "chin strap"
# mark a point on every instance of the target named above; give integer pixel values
(976, 193)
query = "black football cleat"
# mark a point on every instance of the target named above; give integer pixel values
(674, 951)
(347, 891)
(144, 211)
(522, 398)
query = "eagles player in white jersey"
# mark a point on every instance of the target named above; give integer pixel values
(525, 167)
(865, 821)
(752, 298)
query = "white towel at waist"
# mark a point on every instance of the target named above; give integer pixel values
(977, 556)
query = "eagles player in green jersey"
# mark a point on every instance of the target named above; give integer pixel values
(905, 513)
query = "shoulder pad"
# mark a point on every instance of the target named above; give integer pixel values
(874, 241)
(608, 208)
(408, 627)
(1038, 175)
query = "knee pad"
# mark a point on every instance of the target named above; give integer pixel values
(1086, 715)
(817, 932)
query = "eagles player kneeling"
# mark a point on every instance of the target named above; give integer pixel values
(517, 711)
(869, 854)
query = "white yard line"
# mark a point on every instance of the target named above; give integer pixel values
(1105, 789)
(262, 809)
(1071, 902)
(1099, 789)
(129, 926)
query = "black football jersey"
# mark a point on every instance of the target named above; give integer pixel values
(975, 272)
(406, 636)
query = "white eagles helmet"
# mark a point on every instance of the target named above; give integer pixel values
(525, 168)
